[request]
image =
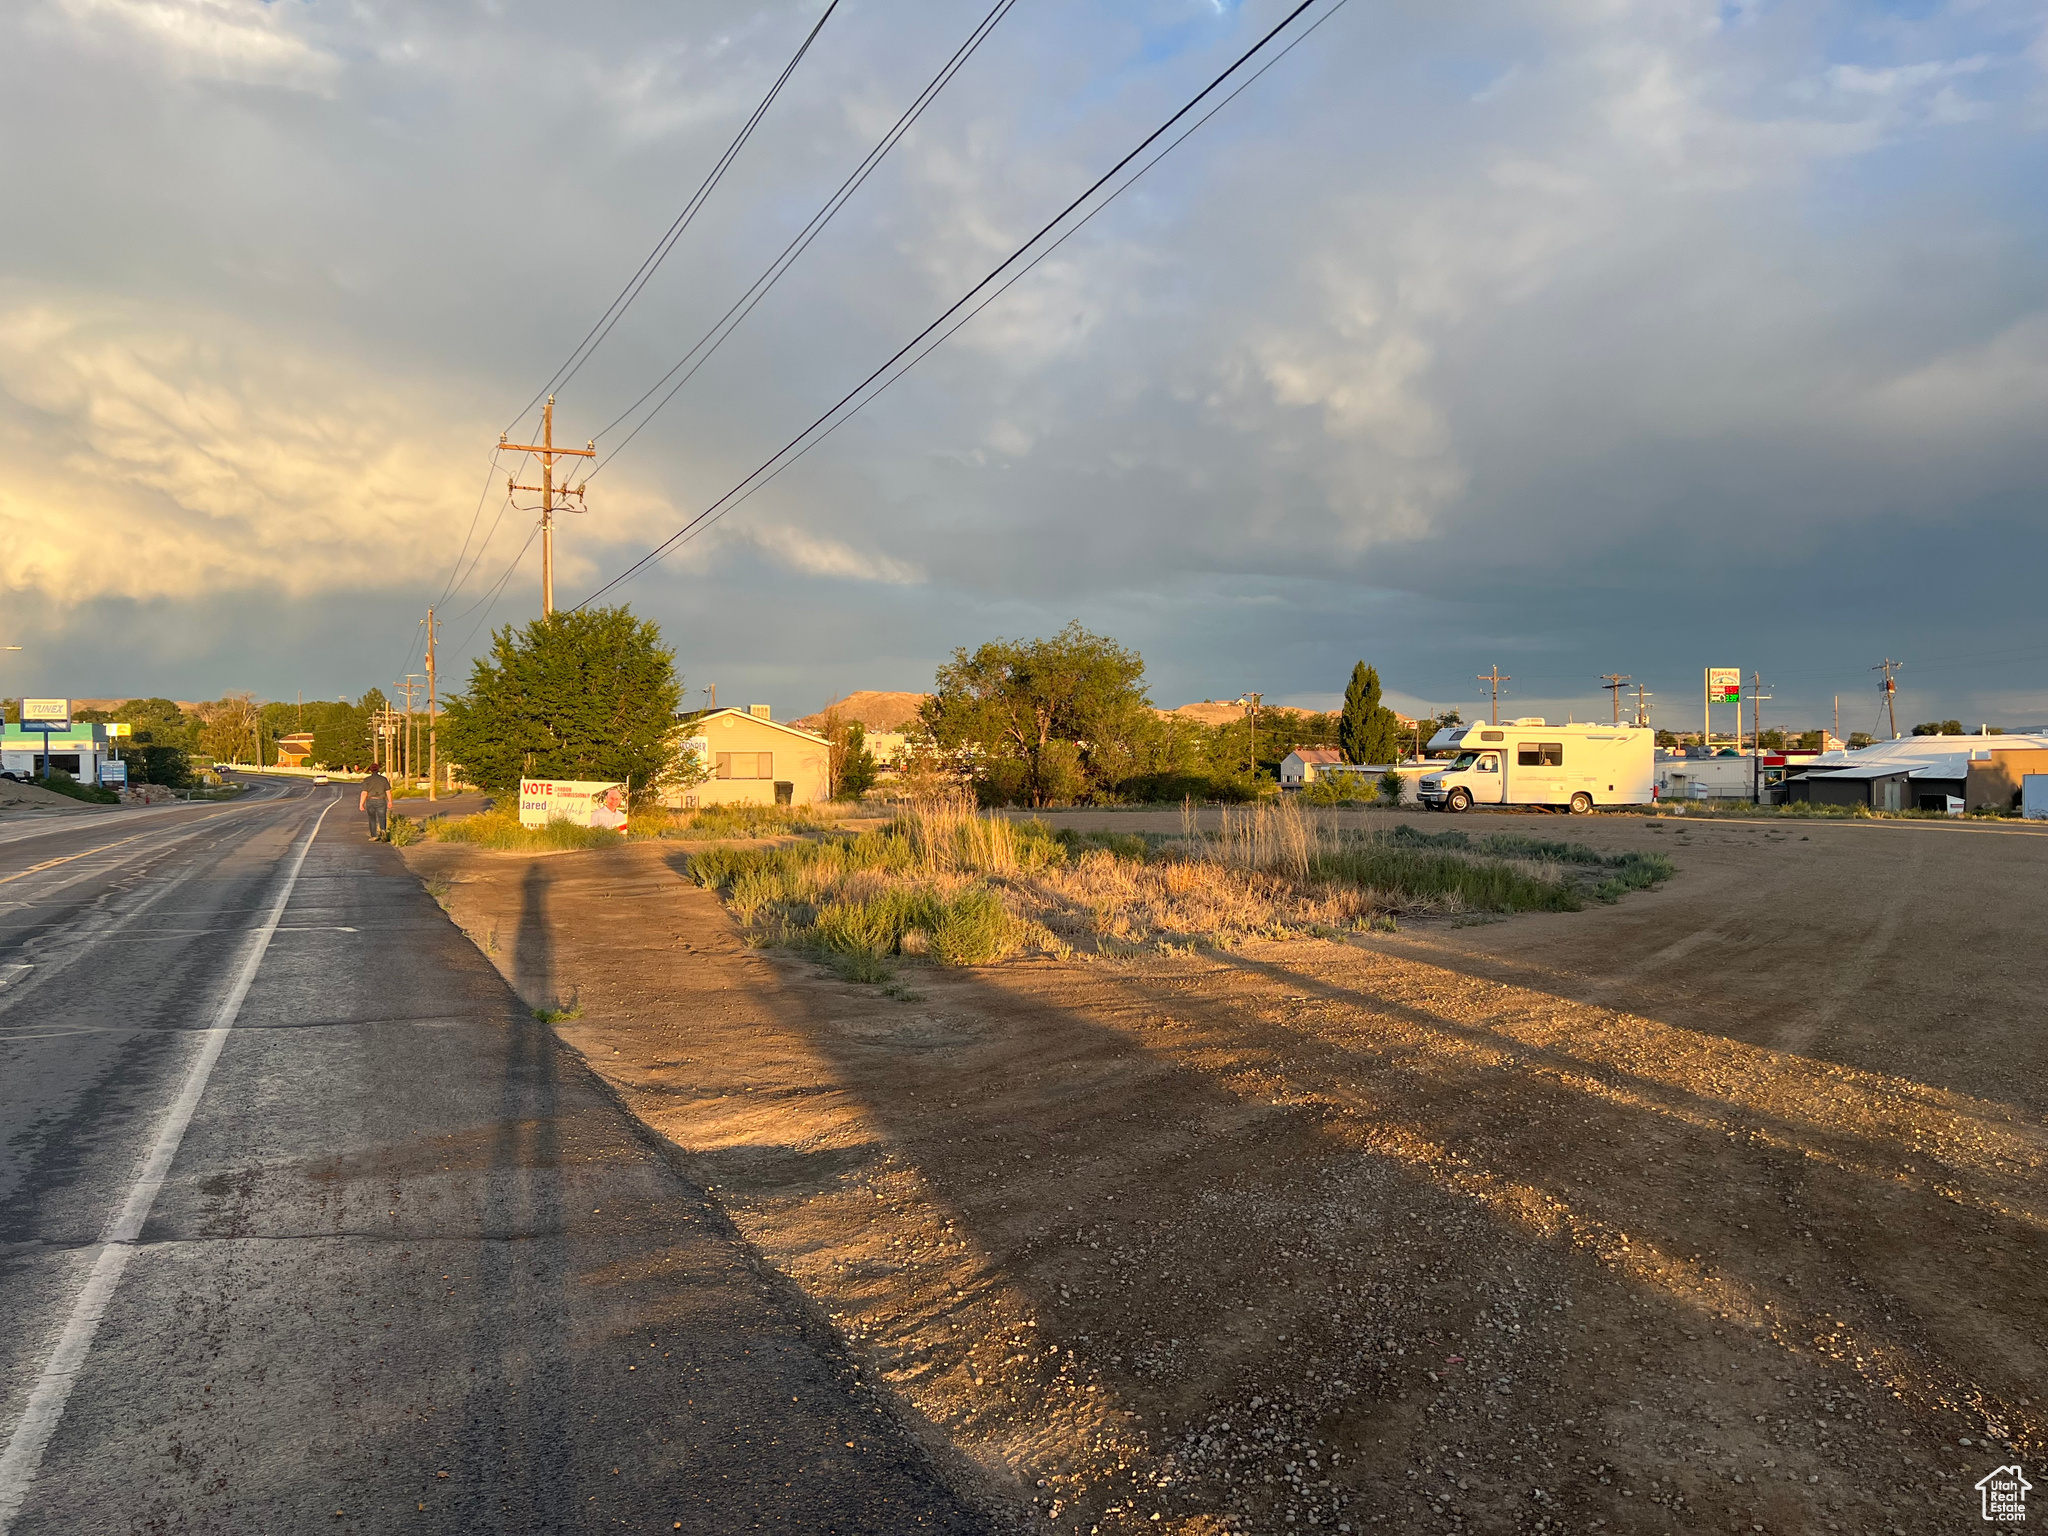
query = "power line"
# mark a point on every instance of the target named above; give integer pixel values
(594, 338)
(794, 443)
(483, 495)
(489, 599)
(758, 290)
(1007, 284)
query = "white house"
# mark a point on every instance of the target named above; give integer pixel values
(1304, 765)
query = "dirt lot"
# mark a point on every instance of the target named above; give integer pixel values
(1719, 1209)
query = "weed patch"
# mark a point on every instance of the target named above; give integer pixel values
(959, 888)
(500, 828)
(742, 821)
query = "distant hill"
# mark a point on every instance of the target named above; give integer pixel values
(188, 705)
(875, 710)
(1210, 712)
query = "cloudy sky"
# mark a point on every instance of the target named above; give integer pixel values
(1569, 338)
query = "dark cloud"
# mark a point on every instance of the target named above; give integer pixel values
(1570, 339)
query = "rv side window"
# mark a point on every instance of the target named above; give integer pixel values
(1492, 736)
(1553, 754)
(1540, 754)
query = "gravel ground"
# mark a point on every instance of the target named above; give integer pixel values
(1719, 1209)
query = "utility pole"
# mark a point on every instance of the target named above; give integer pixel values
(410, 758)
(1837, 732)
(1643, 697)
(1756, 737)
(1613, 683)
(433, 718)
(548, 454)
(1251, 703)
(1890, 690)
(1492, 675)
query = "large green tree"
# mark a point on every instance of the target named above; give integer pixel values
(1368, 732)
(1044, 722)
(590, 694)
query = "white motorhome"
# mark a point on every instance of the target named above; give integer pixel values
(1529, 762)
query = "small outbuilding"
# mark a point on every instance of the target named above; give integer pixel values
(1304, 765)
(752, 760)
(1879, 786)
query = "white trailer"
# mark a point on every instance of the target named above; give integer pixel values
(1529, 762)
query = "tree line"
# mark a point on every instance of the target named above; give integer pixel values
(169, 742)
(1063, 719)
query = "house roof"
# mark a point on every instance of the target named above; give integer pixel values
(1318, 754)
(1869, 771)
(699, 716)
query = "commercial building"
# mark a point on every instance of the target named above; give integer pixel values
(1928, 773)
(80, 749)
(752, 760)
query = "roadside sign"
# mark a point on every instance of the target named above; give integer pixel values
(120, 730)
(114, 773)
(580, 802)
(46, 714)
(1724, 685)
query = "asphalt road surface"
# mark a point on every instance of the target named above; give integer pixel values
(306, 1224)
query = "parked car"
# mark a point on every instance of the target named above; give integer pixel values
(319, 778)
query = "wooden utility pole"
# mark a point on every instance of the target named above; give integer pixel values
(433, 718)
(1756, 737)
(548, 454)
(1251, 703)
(409, 754)
(1614, 682)
(1493, 676)
(1890, 689)
(1643, 697)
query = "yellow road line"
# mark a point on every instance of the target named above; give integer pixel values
(102, 848)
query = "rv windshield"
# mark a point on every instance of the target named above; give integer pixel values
(1465, 760)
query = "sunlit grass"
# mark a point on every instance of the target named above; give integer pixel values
(962, 888)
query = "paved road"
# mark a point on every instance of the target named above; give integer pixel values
(359, 1248)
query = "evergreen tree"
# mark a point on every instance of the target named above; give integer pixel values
(1368, 732)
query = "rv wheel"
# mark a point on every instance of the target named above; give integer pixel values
(1582, 804)
(1461, 800)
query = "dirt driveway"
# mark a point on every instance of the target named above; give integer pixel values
(1719, 1209)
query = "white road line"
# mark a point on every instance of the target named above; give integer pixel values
(46, 1403)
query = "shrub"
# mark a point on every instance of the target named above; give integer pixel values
(1333, 789)
(64, 784)
(1391, 787)
(973, 929)
(1123, 845)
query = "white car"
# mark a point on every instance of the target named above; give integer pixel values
(319, 778)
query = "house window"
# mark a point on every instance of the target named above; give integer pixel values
(1540, 754)
(746, 765)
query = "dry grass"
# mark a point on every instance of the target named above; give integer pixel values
(945, 881)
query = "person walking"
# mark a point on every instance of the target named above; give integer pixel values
(376, 801)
